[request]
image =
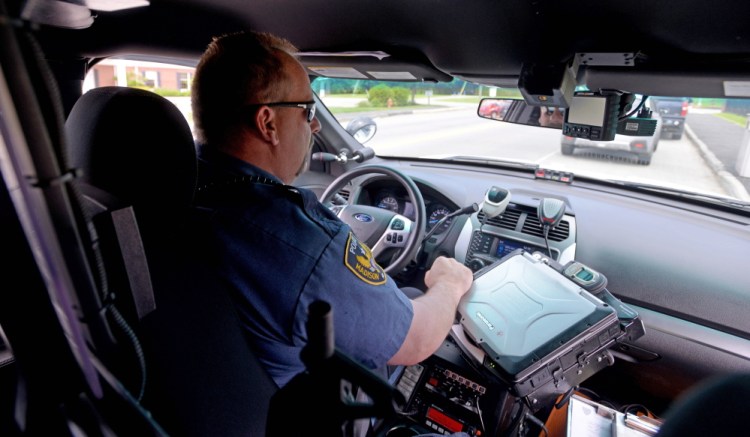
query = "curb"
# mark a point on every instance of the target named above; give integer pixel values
(728, 181)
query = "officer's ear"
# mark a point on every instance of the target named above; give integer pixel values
(266, 123)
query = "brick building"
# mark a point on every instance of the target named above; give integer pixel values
(122, 72)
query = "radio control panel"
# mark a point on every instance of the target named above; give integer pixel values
(485, 249)
(445, 395)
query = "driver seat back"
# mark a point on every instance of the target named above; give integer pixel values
(136, 156)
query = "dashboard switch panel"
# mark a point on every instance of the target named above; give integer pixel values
(485, 249)
(445, 395)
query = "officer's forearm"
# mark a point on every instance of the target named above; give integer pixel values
(434, 313)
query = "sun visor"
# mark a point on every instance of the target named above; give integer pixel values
(500, 81)
(670, 83)
(372, 65)
(73, 14)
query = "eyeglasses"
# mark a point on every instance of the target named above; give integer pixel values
(307, 106)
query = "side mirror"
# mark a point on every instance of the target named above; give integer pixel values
(362, 129)
(519, 112)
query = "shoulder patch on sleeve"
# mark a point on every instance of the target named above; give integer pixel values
(358, 258)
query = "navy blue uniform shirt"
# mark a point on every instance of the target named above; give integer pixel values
(280, 250)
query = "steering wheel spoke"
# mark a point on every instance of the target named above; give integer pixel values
(395, 236)
(382, 230)
(336, 209)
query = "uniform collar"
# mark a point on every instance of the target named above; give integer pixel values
(222, 164)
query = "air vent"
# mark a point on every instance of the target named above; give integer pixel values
(530, 223)
(344, 193)
(508, 220)
(533, 226)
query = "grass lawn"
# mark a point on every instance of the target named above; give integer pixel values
(347, 110)
(435, 102)
(734, 118)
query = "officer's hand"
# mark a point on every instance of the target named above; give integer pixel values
(448, 271)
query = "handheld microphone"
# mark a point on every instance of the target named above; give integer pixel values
(550, 211)
(495, 201)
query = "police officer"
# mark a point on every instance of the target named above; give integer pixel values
(277, 246)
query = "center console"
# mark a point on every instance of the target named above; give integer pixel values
(486, 248)
(529, 331)
(488, 239)
(445, 395)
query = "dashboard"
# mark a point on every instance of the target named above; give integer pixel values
(481, 240)
(681, 266)
(392, 196)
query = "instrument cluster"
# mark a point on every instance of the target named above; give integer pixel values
(396, 200)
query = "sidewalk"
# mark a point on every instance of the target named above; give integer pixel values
(720, 148)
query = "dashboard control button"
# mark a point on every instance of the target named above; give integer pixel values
(476, 264)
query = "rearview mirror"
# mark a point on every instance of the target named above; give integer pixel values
(519, 112)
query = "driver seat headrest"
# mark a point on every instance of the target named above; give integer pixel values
(135, 145)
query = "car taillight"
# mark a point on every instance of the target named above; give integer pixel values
(683, 113)
(639, 145)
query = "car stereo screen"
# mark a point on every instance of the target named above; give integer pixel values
(506, 247)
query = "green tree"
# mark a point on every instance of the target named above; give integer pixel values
(380, 94)
(401, 96)
(135, 81)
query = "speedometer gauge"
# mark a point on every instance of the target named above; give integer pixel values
(389, 203)
(438, 213)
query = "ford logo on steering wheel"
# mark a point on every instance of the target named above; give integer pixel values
(363, 217)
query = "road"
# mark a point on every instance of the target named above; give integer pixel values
(458, 131)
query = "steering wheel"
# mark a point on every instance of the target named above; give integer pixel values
(393, 238)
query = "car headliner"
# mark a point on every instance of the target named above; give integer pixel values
(485, 41)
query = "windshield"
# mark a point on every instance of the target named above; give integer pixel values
(700, 145)
(697, 146)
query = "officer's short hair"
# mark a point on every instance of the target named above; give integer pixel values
(235, 70)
